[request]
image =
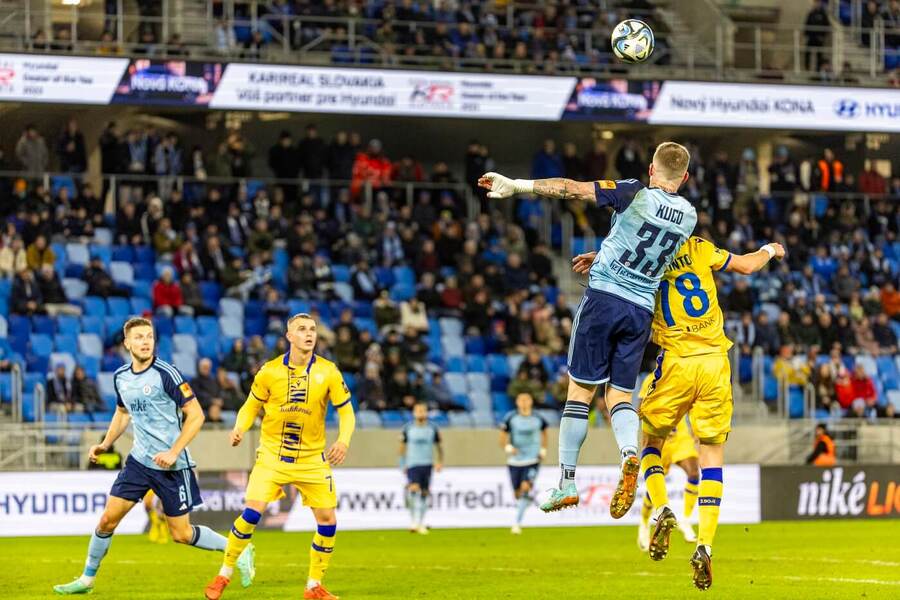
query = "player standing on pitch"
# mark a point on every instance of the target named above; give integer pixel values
(523, 436)
(154, 398)
(612, 324)
(693, 374)
(418, 441)
(293, 392)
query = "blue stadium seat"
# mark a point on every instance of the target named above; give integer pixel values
(456, 383)
(107, 390)
(140, 306)
(94, 306)
(499, 383)
(368, 419)
(42, 324)
(231, 307)
(341, 273)
(475, 345)
(63, 358)
(350, 380)
(77, 253)
(74, 289)
(103, 236)
(185, 363)
(207, 325)
(91, 365)
(299, 306)
(401, 292)
(185, 343)
(58, 182)
(255, 324)
(501, 402)
(41, 344)
(384, 276)
(164, 325)
(475, 363)
(37, 363)
(123, 254)
(90, 344)
(111, 361)
(796, 406)
(868, 363)
(122, 273)
(363, 310)
(770, 389)
(460, 419)
(91, 324)
(5, 387)
(68, 325)
(498, 364)
(144, 254)
(144, 271)
(185, 324)
(451, 326)
(453, 346)
(231, 327)
(211, 292)
(113, 326)
(344, 291)
(479, 382)
(104, 253)
(66, 343)
(119, 307)
(369, 325)
(394, 419)
(456, 364)
(515, 361)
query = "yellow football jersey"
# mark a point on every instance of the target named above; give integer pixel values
(294, 399)
(688, 320)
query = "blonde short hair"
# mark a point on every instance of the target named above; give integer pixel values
(301, 315)
(671, 160)
(135, 322)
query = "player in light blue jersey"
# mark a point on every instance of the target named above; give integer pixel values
(418, 442)
(523, 436)
(612, 324)
(165, 415)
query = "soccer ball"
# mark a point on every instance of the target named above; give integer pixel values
(632, 41)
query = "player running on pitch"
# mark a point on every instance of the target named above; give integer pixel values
(154, 398)
(692, 373)
(523, 436)
(612, 324)
(418, 442)
(292, 391)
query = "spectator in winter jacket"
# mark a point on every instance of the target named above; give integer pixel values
(26, 298)
(39, 253)
(71, 149)
(167, 297)
(370, 167)
(31, 150)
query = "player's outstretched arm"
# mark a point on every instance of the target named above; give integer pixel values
(346, 426)
(440, 455)
(117, 427)
(245, 419)
(556, 188)
(193, 421)
(746, 264)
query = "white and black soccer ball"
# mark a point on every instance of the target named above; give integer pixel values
(632, 41)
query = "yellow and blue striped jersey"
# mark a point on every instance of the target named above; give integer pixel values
(688, 320)
(294, 398)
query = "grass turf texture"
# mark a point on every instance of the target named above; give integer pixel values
(819, 559)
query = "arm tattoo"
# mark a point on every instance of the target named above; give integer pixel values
(558, 188)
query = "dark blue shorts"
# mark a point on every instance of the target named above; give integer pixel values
(420, 476)
(609, 335)
(177, 490)
(519, 475)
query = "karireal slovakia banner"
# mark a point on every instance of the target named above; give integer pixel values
(851, 492)
(398, 92)
(483, 497)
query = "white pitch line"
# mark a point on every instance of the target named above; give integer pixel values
(843, 580)
(838, 561)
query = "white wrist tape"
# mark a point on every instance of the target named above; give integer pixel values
(509, 448)
(524, 186)
(769, 250)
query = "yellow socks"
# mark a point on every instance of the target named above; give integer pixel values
(654, 477)
(240, 535)
(646, 508)
(708, 504)
(690, 496)
(320, 552)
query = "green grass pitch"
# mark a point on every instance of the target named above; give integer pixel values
(774, 560)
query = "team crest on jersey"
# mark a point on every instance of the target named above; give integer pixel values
(607, 184)
(147, 389)
(186, 390)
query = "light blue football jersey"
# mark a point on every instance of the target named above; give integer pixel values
(649, 227)
(420, 441)
(153, 398)
(525, 436)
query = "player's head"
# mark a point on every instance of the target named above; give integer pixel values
(301, 332)
(420, 412)
(670, 164)
(821, 429)
(524, 403)
(139, 338)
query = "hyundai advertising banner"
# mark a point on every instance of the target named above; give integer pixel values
(243, 86)
(848, 492)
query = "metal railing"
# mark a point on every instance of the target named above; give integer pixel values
(737, 51)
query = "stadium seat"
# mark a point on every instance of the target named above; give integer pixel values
(451, 326)
(186, 363)
(498, 365)
(478, 382)
(122, 273)
(66, 343)
(41, 344)
(344, 291)
(515, 361)
(77, 254)
(140, 306)
(207, 325)
(453, 346)
(341, 273)
(90, 324)
(144, 271)
(42, 324)
(796, 405)
(164, 325)
(185, 343)
(74, 289)
(394, 419)
(501, 402)
(483, 420)
(144, 254)
(90, 344)
(68, 325)
(90, 364)
(185, 324)
(231, 307)
(460, 419)
(475, 363)
(107, 390)
(63, 358)
(5, 387)
(123, 254)
(475, 345)
(119, 307)
(104, 253)
(211, 292)
(402, 292)
(868, 363)
(231, 326)
(368, 419)
(893, 397)
(94, 306)
(456, 384)
(456, 364)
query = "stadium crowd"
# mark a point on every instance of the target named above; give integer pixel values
(383, 279)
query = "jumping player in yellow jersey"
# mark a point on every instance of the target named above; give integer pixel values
(293, 391)
(680, 449)
(692, 373)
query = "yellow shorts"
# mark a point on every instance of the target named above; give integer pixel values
(678, 447)
(313, 480)
(700, 384)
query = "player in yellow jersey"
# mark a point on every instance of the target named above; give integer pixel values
(680, 449)
(692, 373)
(159, 530)
(293, 392)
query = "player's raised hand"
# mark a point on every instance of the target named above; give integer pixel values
(166, 459)
(95, 451)
(337, 453)
(235, 437)
(499, 186)
(581, 264)
(779, 250)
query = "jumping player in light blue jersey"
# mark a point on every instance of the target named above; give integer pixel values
(612, 324)
(418, 442)
(154, 398)
(523, 436)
